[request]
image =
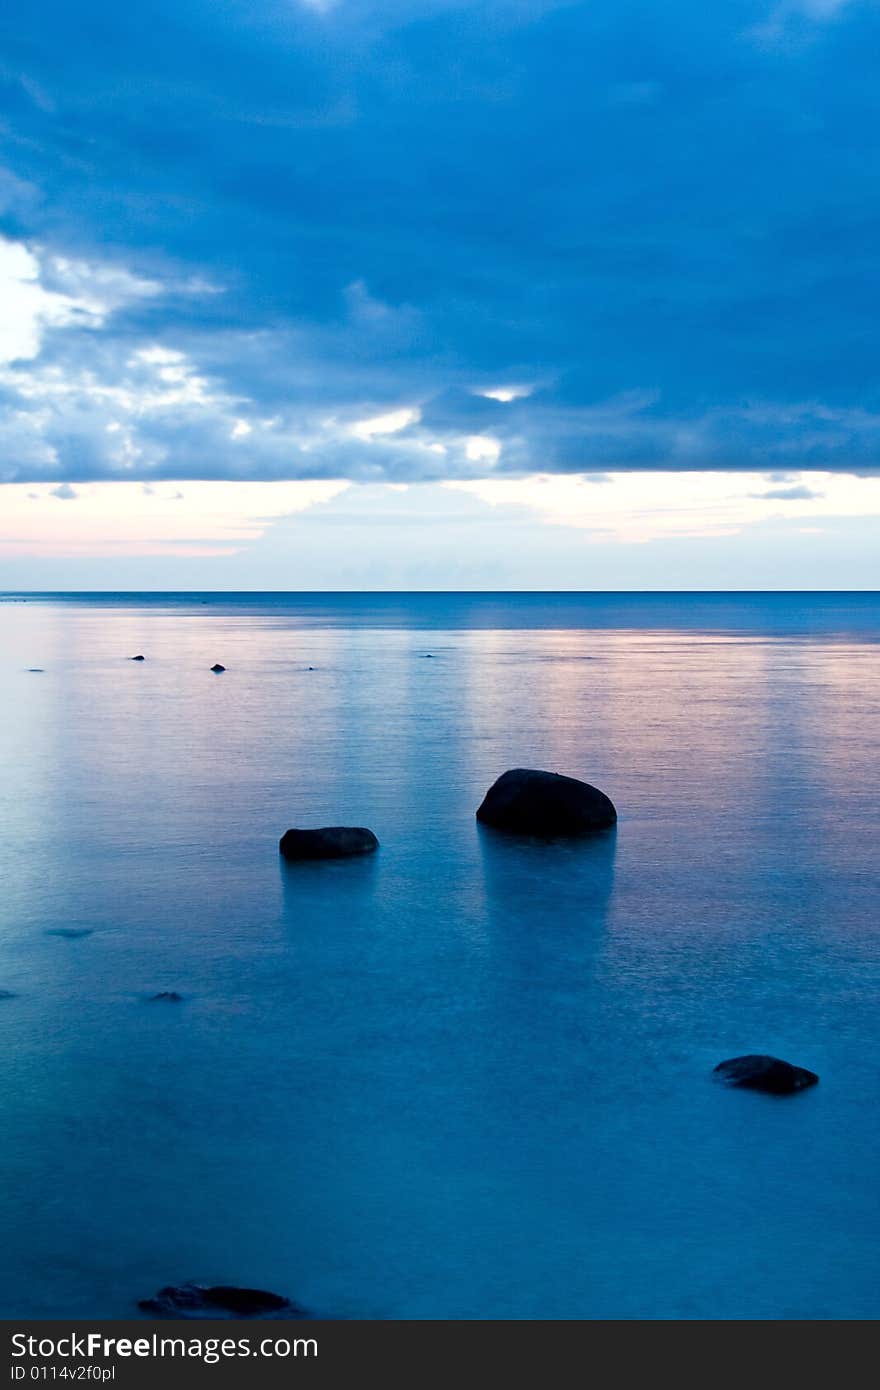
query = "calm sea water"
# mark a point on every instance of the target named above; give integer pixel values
(469, 1077)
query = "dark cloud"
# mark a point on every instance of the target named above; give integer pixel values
(661, 221)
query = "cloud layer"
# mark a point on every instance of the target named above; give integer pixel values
(420, 241)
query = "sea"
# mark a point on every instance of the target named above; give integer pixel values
(470, 1076)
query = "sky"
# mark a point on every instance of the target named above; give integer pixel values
(428, 294)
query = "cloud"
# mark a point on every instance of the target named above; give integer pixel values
(528, 243)
(643, 508)
(389, 423)
(796, 19)
(799, 493)
(40, 295)
(505, 393)
(124, 518)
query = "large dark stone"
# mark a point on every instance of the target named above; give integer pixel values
(330, 842)
(530, 802)
(770, 1074)
(218, 1301)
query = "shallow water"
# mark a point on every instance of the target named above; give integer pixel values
(468, 1077)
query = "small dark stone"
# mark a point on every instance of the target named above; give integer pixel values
(330, 842)
(70, 933)
(219, 1301)
(530, 802)
(758, 1073)
(7, 994)
(168, 996)
(137, 658)
(217, 667)
(35, 670)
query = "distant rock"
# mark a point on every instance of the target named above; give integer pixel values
(219, 1301)
(758, 1073)
(35, 671)
(166, 996)
(330, 842)
(137, 658)
(70, 933)
(530, 802)
(217, 667)
(7, 994)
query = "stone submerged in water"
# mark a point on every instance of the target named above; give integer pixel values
(755, 1072)
(530, 802)
(166, 996)
(329, 842)
(218, 1301)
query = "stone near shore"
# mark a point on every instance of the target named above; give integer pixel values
(531, 802)
(219, 1301)
(756, 1072)
(329, 842)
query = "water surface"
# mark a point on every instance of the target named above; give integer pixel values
(468, 1077)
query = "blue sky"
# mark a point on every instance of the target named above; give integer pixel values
(271, 258)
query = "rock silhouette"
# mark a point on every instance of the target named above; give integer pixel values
(137, 658)
(528, 801)
(756, 1072)
(218, 1301)
(166, 996)
(217, 667)
(329, 842)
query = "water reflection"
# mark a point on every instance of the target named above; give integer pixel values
(565, 885)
